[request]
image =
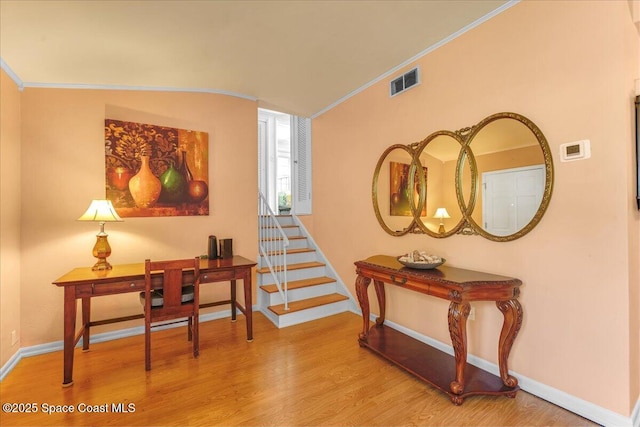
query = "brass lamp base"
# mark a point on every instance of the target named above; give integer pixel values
(101, 265)
(101, 250)
(441, 229)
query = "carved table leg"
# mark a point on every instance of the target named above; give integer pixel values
(362, 283)
(458, 313)
(512, 312)
(379, 286)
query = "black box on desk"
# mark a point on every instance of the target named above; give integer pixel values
(212, 249)
(226, 248)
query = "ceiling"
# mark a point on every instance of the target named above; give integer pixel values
(299, 57)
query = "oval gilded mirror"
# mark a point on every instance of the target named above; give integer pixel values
(514, 176)
(494, 179)
(397, 190)
(441, 215)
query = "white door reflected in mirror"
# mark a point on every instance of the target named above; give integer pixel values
(510, 198)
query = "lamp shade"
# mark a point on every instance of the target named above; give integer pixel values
(100, 211)
(441, 213)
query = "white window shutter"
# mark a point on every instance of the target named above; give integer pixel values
(301, 144)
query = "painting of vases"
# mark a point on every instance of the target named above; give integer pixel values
(155, 170)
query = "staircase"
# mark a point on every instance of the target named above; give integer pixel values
(313, 289)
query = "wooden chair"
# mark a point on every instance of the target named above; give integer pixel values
(173, 301)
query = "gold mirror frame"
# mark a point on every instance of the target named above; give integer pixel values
(424, 144)
(466, 163)
(415, 166)
(548, 174)
(467, 210)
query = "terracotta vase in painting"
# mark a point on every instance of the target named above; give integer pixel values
(145, 186)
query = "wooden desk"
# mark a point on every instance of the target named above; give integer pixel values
(427, 363)
(84, 284)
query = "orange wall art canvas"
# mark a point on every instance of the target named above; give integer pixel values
(155, 170)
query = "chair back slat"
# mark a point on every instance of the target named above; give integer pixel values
(172, 283)
(172, 287)
(173, 273)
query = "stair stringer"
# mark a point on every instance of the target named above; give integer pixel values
(341, 288)
(312, 313)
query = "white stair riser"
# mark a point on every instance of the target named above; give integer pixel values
(308, 314)
(298, 244)
(294, 258)
(291, 231)
(288, 231)
(293, 244)
(285, 220)
(299, 294)
(305, 273)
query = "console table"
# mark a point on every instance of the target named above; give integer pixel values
(452, 375)
(84, 284)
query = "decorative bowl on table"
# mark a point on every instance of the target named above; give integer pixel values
(421, 260)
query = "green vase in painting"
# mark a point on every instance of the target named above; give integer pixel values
(144, 186)
(174, 186)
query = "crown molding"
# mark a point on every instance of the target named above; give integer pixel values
(21, 85)
(428, 50)
(11, 74)
(136, 88)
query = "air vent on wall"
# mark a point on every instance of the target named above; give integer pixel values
(405, 81)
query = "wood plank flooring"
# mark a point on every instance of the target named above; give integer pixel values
(314, 374)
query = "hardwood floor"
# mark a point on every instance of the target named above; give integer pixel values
(313, 374)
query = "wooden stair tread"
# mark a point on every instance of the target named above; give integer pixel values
(307, 303)
(297, 284)
(298, 266)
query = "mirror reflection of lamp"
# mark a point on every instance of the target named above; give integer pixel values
(441, 213)
(101, 211)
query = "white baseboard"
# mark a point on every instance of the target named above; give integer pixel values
(11, 363)
(635, 415)
(560, 398)
(97, 338)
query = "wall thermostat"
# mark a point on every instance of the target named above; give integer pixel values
(577, 150)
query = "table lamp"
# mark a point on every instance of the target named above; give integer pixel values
(441, 213)
(101, 211)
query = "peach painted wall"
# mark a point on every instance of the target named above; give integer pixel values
(580, 266)
(569, 67)
(632, 52)
(10, 196)
(63, 170)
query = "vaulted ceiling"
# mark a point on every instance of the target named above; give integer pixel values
(299, 57)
